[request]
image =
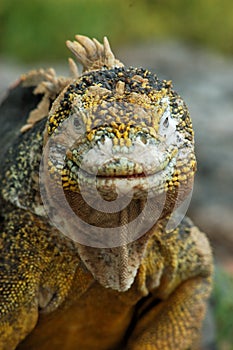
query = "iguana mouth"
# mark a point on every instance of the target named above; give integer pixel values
(140, 161)
(107, 183)
(131, 176)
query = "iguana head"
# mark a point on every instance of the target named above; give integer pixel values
(125, 123)
(118, 133)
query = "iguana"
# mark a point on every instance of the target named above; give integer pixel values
(77, 272)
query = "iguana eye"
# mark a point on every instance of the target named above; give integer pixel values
(166, 122)
(168, 127)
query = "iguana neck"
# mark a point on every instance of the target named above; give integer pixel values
(116, 267)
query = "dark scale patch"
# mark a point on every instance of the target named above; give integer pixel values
(20, 171)
(14, 111)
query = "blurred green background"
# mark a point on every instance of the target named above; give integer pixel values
(36, 30)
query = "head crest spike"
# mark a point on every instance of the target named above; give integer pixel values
(88, 45)
(99, 47)
(108, 52)
(92, 54)
(73, 68)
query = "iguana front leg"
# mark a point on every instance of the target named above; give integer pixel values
(17, 323)
(18, 291)
(176, 322)
(30, 279)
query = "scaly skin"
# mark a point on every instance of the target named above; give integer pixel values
(121, 129)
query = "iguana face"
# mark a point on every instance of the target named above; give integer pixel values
(121, 144)
(129, 130)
